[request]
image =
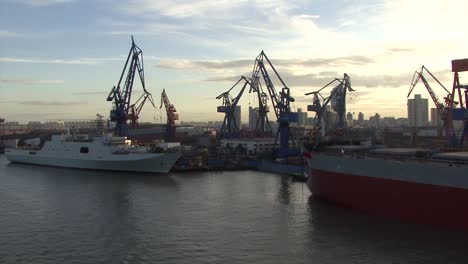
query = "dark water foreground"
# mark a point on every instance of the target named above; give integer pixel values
(53, 215)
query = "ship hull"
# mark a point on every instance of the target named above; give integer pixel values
(154, 163)
(416, 198)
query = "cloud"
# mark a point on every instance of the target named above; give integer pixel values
(398, 50)
(184, 8)
(317, 80)
(248, 63)
(294, 29)
(52, 103)
(30, 81)
(182, 64)
(103, 93)
(6, 33)
(43, 2)
(77, 61)
(235, 26)
(48, 61)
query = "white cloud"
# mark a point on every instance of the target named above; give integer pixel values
(184, 8)
(29, 81)
(6, 33)
(290, 65)
(52, 103)
(397, 36)
(49, 61)
(77, 61)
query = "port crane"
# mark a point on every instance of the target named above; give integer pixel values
(337, 99)
(2, 131)
(230, 128)
(444, 108)
(172, 116)
(122, 109)
(262, 124)
(448, 109)
(280, 100)
(461, 90)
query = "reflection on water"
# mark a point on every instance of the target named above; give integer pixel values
(56, 215)
(284, 191)
(364, 238)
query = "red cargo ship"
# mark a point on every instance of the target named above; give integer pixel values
(410, 184)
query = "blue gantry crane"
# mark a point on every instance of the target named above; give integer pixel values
(122, 109)
(262, 124)
(337, 100)
(281, 102)
(230, 127)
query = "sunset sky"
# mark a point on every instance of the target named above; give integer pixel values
(60, 58)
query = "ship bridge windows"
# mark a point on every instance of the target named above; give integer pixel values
(84, 150)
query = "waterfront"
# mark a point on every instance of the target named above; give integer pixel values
(55, 215)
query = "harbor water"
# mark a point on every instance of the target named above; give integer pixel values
(57, 215)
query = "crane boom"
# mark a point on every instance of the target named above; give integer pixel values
(230, 127)
(123, 110)
(461, 113)
(444, 109)
(280, 101)
(262, 124)
(419, 75)
(337, 98)
(172, 116)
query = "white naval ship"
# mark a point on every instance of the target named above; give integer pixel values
(97, 153)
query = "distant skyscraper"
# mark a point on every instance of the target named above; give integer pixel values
(237, 116)
(418, 111)
(436, 120)
(349, 118)
(331, 120)
(361, 118)
(301, 117)
(253, 116)
(375, 120)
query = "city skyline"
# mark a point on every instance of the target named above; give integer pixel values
(251, 114)
(60, 58)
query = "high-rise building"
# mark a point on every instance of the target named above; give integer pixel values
(418, 111)
(237, 116)
(436, 120)
(361, 118)
(375, 120)
(331, 120)
(301, 117)
(349, 118)
(253, 116)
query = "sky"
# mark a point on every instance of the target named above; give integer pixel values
(60, 58)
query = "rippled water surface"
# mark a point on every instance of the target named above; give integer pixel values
(54, 215)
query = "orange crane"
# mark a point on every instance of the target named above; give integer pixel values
(461, 90)
(172, 116)
(444, 108)
(2, 132)
(455, 105)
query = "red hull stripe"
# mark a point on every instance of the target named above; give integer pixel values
(421, 203)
